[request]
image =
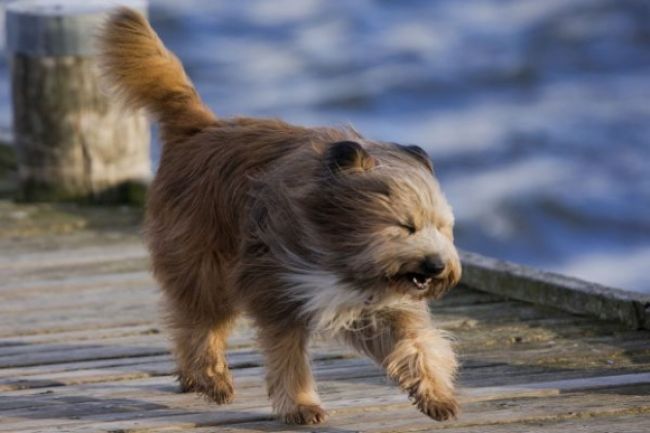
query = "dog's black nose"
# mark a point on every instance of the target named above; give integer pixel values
(432, 266)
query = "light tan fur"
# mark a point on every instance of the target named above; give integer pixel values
(415, 354)
(305, 230)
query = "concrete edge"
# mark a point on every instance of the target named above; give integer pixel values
(549, 289)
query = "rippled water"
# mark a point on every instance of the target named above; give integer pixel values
(536, 113)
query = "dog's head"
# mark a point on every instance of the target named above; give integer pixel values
(382, 219)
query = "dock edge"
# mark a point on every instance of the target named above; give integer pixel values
(550, 289)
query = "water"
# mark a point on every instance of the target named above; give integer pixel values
(536, 113)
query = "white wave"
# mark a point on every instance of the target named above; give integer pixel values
(478, 198)
(624, 269)
(283, 11)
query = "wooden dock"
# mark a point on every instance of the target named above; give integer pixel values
(82, 349)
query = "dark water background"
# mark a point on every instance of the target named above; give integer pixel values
(536, 112)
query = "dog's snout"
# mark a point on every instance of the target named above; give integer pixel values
(432, 266)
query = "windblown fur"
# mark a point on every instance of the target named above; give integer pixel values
(305, 230)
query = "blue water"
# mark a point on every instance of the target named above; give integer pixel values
(536, 112)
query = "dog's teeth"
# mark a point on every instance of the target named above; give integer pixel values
(421, 285)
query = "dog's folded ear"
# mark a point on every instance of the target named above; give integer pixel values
(418, 153)
(349, 156)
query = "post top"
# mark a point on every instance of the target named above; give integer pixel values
(59, 27)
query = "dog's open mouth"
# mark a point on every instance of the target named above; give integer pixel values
(419, 285)
(420, 281)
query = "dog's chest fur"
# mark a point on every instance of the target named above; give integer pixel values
(330, 306)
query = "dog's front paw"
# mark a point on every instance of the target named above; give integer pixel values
(305, 414)
(440, 409)
(217, 387)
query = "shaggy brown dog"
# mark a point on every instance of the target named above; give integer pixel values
(305, 230)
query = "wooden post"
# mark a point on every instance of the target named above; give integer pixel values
(74, 142)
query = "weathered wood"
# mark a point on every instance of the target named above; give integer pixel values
(73, 140)
(558, 291)
(22, 264)
(148, 411)
(502, 414)
(352, 404)
(84, 349)
(334, 375)
(578, 422)
(573, 423)
(75, 372)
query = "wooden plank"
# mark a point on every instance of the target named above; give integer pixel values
(43, 350)
(29, 292)
(27, 262)
(567, 354)
(474, 372)
(606, 352)
(74, 354)
(153, 333)
(463, 295)
(510, 404)
(510, 415)
(554, 290)
(101, 413)
(497, 312)
(65, 272)
(507, 415)
(249, 386)
(603, 349)
(54, 228)
(636, 423)
(68, 305)
(599, 382)
(339, 369)
(81, 335)
(614, 423)
(140, 345)
(110, 316)
(143, 366)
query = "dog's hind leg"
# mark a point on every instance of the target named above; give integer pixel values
(200, 349)
(415, 354)
(289, 378)
(200, 315)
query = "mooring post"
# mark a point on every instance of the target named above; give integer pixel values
(74, 141)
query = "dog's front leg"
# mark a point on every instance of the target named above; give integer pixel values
(289, 378)
(414, 354)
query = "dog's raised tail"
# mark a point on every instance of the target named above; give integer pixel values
(148, 76)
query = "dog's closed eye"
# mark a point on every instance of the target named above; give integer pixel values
(410, 228)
